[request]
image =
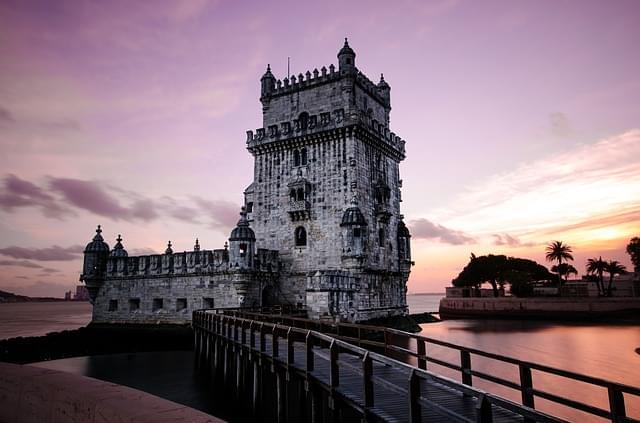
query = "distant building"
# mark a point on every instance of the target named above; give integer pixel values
(320, 227)
(82, 294)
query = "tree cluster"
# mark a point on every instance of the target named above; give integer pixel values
(499, 270)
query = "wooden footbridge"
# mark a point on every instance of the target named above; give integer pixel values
(279, 368)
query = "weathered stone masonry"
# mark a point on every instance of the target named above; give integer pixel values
(324, 208)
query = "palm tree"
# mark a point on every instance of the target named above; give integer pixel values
(557, 251)
(597, 267)
(614, 268)
(564, 269)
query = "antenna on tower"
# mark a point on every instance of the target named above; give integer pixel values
(288, 63)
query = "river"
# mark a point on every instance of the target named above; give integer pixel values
(604, 350)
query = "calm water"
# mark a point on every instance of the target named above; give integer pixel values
(35, 319)
(167, 374)
(602, 350)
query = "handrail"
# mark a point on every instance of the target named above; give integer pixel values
(383, 341)
(226, 325)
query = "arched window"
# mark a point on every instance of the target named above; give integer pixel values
(300, 194)
(303, 156)
(381, 237)
(356, 232)
(304, 121)
(243, 250)
(301, 236)
(292, 194)
(296, 158)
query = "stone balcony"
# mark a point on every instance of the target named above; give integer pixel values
(299, 209)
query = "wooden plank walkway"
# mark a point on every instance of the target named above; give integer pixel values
(378, 387)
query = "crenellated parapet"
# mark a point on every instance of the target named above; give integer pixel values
(188, 262)
(314, 124)
(315, 78)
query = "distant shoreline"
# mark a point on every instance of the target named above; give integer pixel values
(426, 293)
(544, 308)
(9, 297)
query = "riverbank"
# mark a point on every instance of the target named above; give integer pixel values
(562, 308)
(96, 339)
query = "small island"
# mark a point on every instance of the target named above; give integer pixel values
(534, 292)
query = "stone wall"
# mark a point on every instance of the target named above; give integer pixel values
(173, 298)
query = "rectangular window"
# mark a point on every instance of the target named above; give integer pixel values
(158, 304)
(113, 305)
(134, 304)
(207, 302)
(181, 304)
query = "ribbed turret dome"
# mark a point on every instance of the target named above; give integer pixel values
(268, 74)
(242, 232)
(97, 245)
(346, 49)
(352, 217)
(118, 249)
(382, 84)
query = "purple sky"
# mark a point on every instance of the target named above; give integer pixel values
(522, 122)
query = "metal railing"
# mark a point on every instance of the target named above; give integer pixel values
(253, 334)
(409, 347)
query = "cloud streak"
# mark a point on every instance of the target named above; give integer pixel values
(28, 265)
(425, 229)
(65, 197)
(54, 253)
(567, 189)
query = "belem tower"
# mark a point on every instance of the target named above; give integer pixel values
(320, 227)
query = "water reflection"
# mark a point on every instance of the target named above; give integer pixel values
(600, 350)
(167, 374)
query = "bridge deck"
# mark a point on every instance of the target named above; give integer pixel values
(390, 392)
(440, 401)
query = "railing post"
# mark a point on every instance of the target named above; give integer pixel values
(484, 412)
(367, 374)
(465, 364)
(386, 341)
(274, 341)
(290, 350)
(415, 410)
(616, 404)
(334, 375)
(252, 335)
(422, 353)
(263, 340)
(526, 386)
(243, 334)
(309, 350)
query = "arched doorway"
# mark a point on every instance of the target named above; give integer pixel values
(268, 297)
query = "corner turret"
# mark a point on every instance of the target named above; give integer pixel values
(242, 244)
(346, 58)
(384, 89)
(267, 84)
(118, 249)
(96, 254)
(354, 235)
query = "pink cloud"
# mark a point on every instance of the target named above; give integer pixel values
(423, 228)
(54, 253)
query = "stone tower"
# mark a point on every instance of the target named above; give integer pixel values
(326, 191)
